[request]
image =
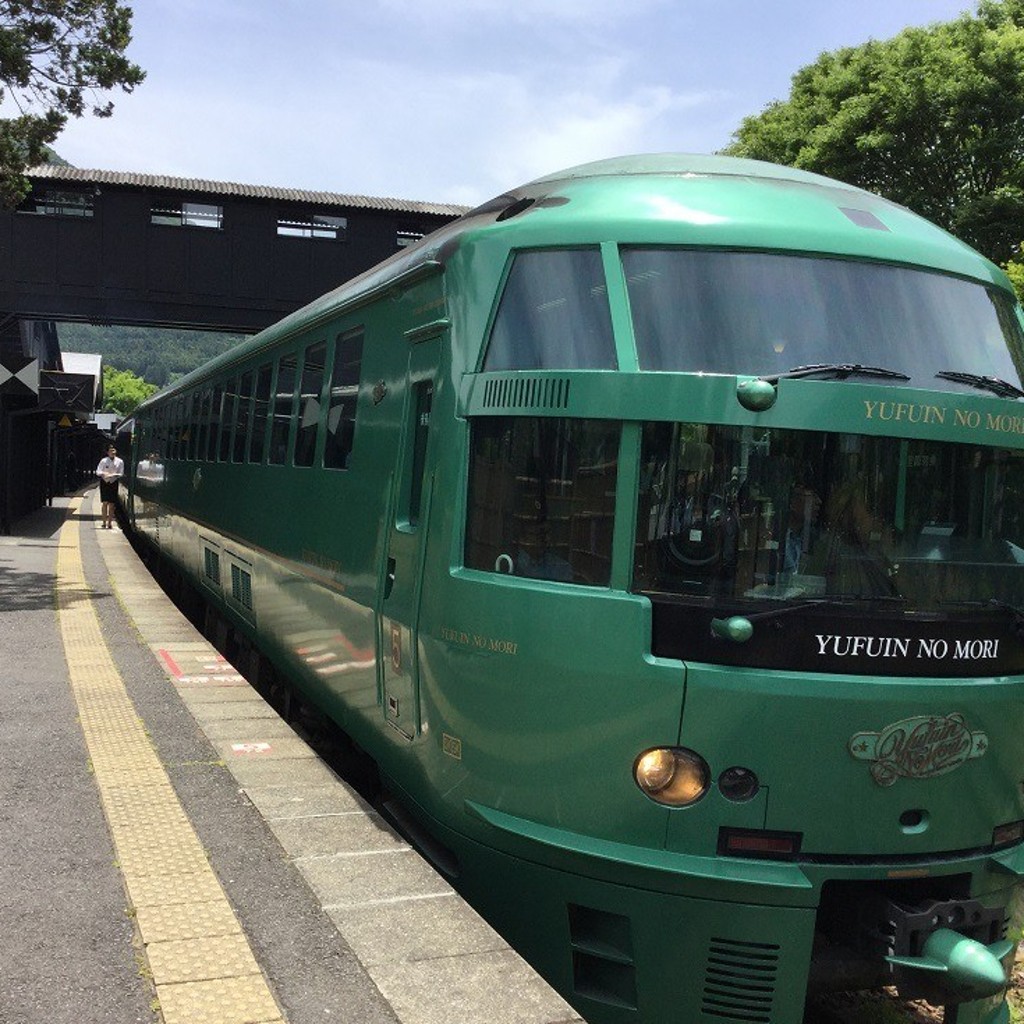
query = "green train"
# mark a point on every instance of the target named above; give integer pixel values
(658, 530)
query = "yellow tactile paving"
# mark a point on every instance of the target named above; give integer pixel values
(167, 890)
(185, 921)
(201, 963)
(200, 1002)
(202, 959)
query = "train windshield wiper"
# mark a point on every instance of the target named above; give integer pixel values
(992, 604)
(738, 627)
(998, 386)
(832, 601)
(838, 371)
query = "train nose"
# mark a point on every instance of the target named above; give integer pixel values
(963, 967)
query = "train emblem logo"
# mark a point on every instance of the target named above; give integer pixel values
(918, 748)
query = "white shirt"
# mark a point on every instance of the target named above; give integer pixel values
(110, 468)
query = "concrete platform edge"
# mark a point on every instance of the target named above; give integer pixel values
(429, 954)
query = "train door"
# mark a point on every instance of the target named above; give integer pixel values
(405, 548)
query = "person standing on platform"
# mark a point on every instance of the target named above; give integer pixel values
(110, 470)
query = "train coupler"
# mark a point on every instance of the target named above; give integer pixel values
(947, 952)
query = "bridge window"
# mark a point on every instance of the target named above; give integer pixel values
(181, 214)
(309, 403)
(341, 412)
(407, 236)
(313, 225)
(554, 314)
(59, 203)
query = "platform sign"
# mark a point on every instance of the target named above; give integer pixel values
(19, 377)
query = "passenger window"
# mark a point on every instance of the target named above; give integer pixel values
(284, 404)
(341, 410)
(204, 425)
(242, 419)
(161, 431)
(227, 420)
(423, 398)
(554, 314)
(215, 411)
(309, 403)
(187, 429)
(261, 404)
(172, 429)
(542, 498)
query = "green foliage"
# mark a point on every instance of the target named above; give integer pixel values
(123, 390)
(56, 59)
(932, 119)
(1015, 271)
(158, 355)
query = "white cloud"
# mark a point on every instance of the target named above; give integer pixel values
(409, 133)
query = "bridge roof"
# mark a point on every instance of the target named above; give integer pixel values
(79, 176)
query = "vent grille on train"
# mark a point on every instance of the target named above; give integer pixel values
(603, 967)
(739, 981)
(211, 565)
(241, 586)
(527, 393)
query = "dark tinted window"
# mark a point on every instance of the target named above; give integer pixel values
(553, 314)
(542, 498)
(341, 411)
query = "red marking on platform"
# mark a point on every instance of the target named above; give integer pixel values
(250, 748)
(172, 665)
(359, 653)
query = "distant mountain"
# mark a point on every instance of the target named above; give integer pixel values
(53, 157)
(157, 355)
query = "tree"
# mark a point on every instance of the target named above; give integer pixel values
(123, 391)
(932, 119)
(56, 58)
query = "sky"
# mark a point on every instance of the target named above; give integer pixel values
(454, 100)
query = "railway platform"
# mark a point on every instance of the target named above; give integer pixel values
(171, 850)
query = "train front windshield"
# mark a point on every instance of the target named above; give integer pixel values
(765, 313)
(743, 518)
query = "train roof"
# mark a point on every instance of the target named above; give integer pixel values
(659, 199)
(688, 165)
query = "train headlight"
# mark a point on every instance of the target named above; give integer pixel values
(672, 775)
